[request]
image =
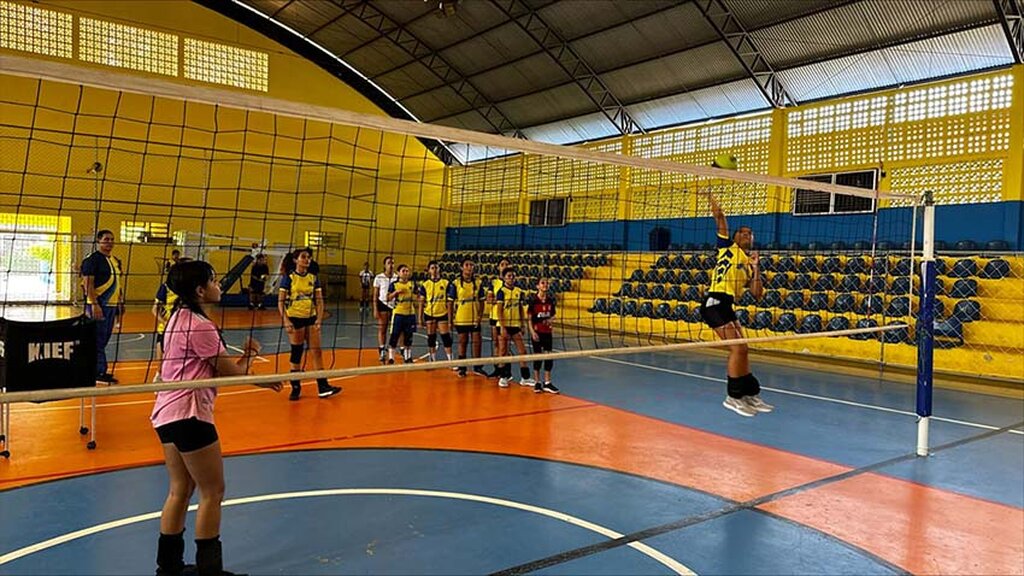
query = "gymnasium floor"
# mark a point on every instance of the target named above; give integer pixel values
(635, 469)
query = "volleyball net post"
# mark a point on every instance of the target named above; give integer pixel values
(926, 326)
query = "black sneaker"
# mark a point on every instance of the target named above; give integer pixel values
(479, 370)
(551, 388)
(461, 372)
(328, 391)
(391, 361)
(538, 388)
(108, 378)
(296, 392)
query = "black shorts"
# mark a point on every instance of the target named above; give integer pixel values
(512, 330)
(429, 318)
(493, 322)
(461, 329)
(259, 287)
(382, 307)
(301, 323)
(160, 340)
(187, 435)
(543, 343)
(716, 310)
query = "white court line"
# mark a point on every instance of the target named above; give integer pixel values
(121, 338)
(649, 551)
(240, 351)
(137, 402)
(810, 396)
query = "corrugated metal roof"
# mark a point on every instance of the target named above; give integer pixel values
(521, 78)
(495, 47)
(956, 53)
(565, 101)
(564, 16)
(409, 79)
(402, 11)
(573, 130)
(857, 26)
(469, 20)
(759, 13)
(690, 69)
(716, 101)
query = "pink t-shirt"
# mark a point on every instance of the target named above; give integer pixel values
(191, 346)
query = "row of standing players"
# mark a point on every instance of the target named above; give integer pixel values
(464, 302)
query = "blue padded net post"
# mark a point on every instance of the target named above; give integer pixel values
(925, 327)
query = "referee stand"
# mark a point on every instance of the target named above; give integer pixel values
(43, 356)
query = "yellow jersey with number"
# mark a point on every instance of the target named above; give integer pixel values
(435, 296)
(300, 294)
(732, 269)
(511, 298)
(405, 300)
(466, 297)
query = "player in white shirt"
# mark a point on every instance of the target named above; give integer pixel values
(381, 285)
(365, 282)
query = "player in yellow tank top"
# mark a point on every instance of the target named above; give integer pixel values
(300, 301)
(467, 295)
(404, 293)
(736, 268)
(435, 310)
(509, 303)
(491, 310)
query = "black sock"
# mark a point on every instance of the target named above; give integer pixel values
(322, 384)
(524, 372)
(751, 387)
(209, 557)
(735, 387)
(170, 554)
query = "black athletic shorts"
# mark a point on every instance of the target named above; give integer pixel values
(512, 331)
(259, 287)
(300, 323)
(429, 318)
(716, 310)
(187, 435)
(462, 329)
(493, 322)
(160, 340)
(382, 307)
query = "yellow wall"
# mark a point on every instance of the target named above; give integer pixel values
(216, 170)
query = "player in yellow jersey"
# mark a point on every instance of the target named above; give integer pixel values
(300, 301)
(163, 307)
(467, 293)
(736, 268)
(509, 303)
(435, 310)
(404, 294)
(491, 311)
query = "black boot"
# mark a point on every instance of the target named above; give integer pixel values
(170, 554)
(210, 559)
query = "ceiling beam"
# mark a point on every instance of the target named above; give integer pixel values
(581, 72)
(1012, 20)
(437, 64)
(731, 30)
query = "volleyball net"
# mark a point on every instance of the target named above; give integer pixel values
(621, 230)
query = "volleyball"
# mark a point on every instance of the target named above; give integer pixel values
(726, 161)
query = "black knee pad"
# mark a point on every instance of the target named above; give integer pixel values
(431, 341)
(751, 386)
(296, 355)
(548, 364)
(446, 339)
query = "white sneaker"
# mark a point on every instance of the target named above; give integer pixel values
(503, 382)
(757, 404)
(527, 382)
(739, 406)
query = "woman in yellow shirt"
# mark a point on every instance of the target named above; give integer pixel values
(301, 304)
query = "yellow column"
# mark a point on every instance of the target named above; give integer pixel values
(524, 197)
(1013, 171)
(625, 197)
(779, 198)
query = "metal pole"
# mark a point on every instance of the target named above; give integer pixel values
(925, 327)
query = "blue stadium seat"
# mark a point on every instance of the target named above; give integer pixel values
(898, 307)
(615, 306)
(590, 261)
(668, 277)
(652, 276)
(785, 323)
(856, 265)
(810, 324)
(626, 291)
(883, 246)
(875, 285)
(938, 309)
(657, 292)
(850, 283)
(837, 246)
(997, 246)
(786, 264)
(629, 308)
(793, 301)
(662, 310)
(708, 262)
(870, 306)
(801, 282)
(832, 265)
(901, 267)
(701, 278)
(824, 283)
(948, 332)
(880, 266)
(645, 310)
(964, 288)
(641, 291)
(817, 301)
(967, 310)
(996, 269)
(838, 323)
(963, 268)
(662, 262)
(771, 299)
(637, 276)
(680, 312)
(600, 306)
(675, 292)
(900, 285)
(693, 262)
(678, 262)
(808, 264)
(794, 246)
(898, 336)
(743, 316)
(773, 246)
(778, 281)
(692, 294)
(844, 303)
(684, 277)
(966, 246)
(763, 320)
(747, 299)
(767, 263)
(815, 246)
(866, 323)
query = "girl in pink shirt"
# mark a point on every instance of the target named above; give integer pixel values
(183, 419)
